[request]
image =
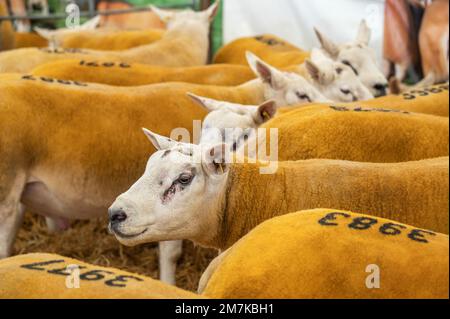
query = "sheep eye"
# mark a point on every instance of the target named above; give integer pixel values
(185, 179)
(303, 96)
(347, 63)
(346, 92)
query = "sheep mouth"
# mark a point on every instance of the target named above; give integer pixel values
(128, 236)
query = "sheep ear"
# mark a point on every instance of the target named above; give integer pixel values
(216, 160)
(49, 35)
(364, 33)
(327, 45)
(318, 74)
(158, 141)
(91, 24)
(265, 72)
(212, 11)
(313, 70)
(164, 15)
(209, 104)
(265, 112)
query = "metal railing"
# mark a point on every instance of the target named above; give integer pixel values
(194, 4)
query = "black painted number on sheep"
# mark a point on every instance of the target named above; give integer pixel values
(52, 80)
(366, 223)
(109, 278)
(359, 109)
(95, 64)
(411, 95)
(269, 41)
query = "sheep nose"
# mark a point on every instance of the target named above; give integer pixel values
(117, 216)
(381, 89)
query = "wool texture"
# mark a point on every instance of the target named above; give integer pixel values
(109, 39)
(357, 134)
(47, 276)
(332, 254)
(41, 117)
(414, 193)
(184, 45)
(273, 50)
(120, 74)
(29, 40)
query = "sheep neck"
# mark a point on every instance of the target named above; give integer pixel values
(248, 201)
(254, 90)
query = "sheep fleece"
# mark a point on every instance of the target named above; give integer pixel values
(43, 276)
(176, 48)
(270, 48)
(122, 74)
(430, 100)
(110, 40)
(324, 254)
(363, 135)
(40, 117)
(29, 40)
(414, 193)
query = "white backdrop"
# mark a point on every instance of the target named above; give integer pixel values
(294, 20)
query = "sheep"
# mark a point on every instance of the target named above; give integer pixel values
(156, 106)
(270, 48)
(433, 100)
(327, 131)
(120, 74)
(357, 134)
(336, 81)
(197, 192)
(429, 100)
(56, 37)
(52, 276)
(324, 73)
(332, 81)
(360, 57)
(108, 39)
(99, 174)
(184, 44)
(331, 254)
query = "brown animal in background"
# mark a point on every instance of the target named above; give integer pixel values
(400, 49)
(127, 21)
(6, 29)
(18, 7)
(434, 40)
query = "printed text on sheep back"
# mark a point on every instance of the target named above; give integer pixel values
(366, 223)
(108, 278)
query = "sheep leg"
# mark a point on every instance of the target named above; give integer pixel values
(11, 215)
(56, 225)
(169, 253)
(401, 71)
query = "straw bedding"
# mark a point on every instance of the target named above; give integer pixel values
(90, 241)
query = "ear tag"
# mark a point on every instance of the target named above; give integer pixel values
(266, 115)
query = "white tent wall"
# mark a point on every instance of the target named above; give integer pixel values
(294, 20)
